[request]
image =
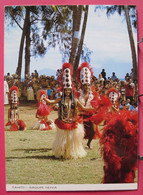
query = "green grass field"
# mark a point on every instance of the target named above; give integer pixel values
(29, 157)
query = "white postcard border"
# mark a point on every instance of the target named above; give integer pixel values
(71, 187)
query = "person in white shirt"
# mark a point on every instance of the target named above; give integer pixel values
(6, 92)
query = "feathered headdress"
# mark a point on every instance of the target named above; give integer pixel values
(66, 76)
(113, 95)
(42, 92)
(84, 73)
(13, 92)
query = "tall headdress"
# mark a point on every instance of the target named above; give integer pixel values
(66, 76)
(84, 73)
(113, 95)
(13, 95)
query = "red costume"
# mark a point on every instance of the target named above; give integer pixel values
(70, 133)
(119, 147)
(84, 76)
(119, 139)
(43, 111)
(14, 124)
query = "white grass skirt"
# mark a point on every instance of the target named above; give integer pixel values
(68, 143)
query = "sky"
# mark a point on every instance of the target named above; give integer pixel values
(106, 37)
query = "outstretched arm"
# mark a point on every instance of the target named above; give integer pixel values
(84, 108)
(52, 101)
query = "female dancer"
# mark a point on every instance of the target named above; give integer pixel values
(14, 124)
(70, 133)
(42, 114)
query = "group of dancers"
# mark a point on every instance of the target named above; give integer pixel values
(79, 114)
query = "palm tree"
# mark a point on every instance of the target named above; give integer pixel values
(27, 47)
(77, 13)
(30, 16)
(78, 54)
(20, 56)
(127, 10)
(132, 44)
(57, 24)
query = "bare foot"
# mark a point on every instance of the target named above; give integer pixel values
(88, 144)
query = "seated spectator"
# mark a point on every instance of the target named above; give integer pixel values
(127, 104)
(135, 107)
(122, 105)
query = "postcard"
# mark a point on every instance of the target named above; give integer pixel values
(71, 97)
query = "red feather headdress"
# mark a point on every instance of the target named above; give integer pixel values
(12, 99)
(80, 68)
(113, 90)
(66, 78)
(13, 88)
(43, 92)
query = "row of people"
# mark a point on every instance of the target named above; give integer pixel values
(30, 88)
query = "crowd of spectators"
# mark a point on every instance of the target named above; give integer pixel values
(29, 89)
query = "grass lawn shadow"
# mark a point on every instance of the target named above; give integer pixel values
(44, 157)
(34, 150)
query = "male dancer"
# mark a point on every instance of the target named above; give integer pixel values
(84, 74)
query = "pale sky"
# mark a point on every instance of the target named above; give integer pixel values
(106, 37)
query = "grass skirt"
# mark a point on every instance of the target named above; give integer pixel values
(68, 143)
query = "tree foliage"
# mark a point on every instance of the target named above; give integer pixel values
(50, 26)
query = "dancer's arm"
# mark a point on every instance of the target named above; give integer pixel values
(39, 117)
(114, 109)
(84, 108)
(52, 101)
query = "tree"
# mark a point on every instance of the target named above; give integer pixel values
(27, 47)
(78, 54)
(132, 44)
(45, 27)
(130, 15)
(20, 56)
(15, 14)
(77, 13)
(28, 15)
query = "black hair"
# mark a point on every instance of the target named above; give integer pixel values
(61, 103)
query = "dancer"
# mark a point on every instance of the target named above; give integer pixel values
(84, 75)
(42, 114)
(119, 147)
(70, 132)
(113, 95)
(14, 123)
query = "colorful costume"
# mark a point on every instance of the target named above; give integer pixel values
(70, 133)
(14, 124)
(119, 139)
(119, 147)
(113, 95)
(42, 114)
(84, 75)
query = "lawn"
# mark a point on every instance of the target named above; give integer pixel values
(29, 157)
